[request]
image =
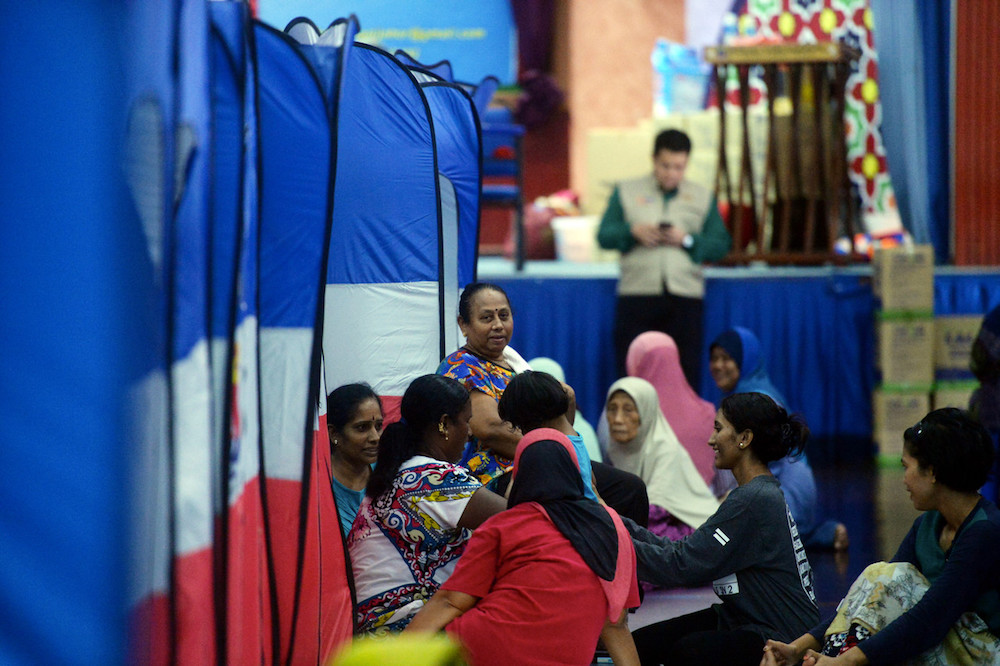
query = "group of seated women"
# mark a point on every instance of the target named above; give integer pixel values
(484, 516)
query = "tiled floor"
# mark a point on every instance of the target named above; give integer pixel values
(870, 500)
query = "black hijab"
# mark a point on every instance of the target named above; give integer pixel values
(545, 472)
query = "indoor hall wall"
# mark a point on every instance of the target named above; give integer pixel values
(977, 134)
(602, 55)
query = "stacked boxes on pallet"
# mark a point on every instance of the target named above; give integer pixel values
(953, 380)
(904, 287)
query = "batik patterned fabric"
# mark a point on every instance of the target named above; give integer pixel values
(886, 590)
(480, 375)
(406, 543)
(850, 22)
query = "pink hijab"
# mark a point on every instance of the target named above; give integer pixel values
(653, 356)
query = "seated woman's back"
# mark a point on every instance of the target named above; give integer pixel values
(418, 509)
(539, 581)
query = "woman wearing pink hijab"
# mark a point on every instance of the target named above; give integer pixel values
(653, 356)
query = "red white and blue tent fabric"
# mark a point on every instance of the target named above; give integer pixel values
(297, 107)
(191, 408)
(149, 162)
(282, 195)
(459, 157)
(243, 587)
(384, 293)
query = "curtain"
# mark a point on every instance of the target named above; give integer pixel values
(913, 51)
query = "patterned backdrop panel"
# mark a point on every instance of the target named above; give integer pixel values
(850, 22)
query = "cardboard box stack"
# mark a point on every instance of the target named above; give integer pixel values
(905, 343)
(953, 380)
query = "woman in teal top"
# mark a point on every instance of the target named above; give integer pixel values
(354, 421)
(938, 600)
(538, 400)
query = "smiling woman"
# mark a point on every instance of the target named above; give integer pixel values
(737, 366)
(749, 549)
(354, 421)
(485, 365)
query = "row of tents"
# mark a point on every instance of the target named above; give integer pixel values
(310, 207)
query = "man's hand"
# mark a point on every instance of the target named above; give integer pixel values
(647, 234)
(673, 236)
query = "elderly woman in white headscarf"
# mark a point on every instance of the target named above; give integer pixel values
(642, 442)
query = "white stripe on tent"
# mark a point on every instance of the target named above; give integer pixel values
(244, 464)
(449, 241)
(323, 391)
(192, 444)
(285, 356)
(384, 334)
(222, 378)
(149, 513)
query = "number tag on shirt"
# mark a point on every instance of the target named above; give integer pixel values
(726, 585)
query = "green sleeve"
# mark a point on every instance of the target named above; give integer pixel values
(713, 242)
(614, 234)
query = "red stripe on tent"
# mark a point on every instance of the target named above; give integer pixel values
(324, 620)
(390, 407)
(195, 618)
(248, 606)
(336, 607)
(150, 631)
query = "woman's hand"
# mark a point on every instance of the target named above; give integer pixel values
(492, 432)
(443, 607)
(777, 653)
(571, 396)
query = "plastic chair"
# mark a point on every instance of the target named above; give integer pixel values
(503, 170)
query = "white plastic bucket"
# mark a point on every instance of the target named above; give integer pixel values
(575, 237)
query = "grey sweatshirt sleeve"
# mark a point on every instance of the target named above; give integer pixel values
(721, 546)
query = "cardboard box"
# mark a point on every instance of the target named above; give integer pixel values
(953, 394)
(905, 351)
(953, 338)
(895, 411)
(903, 278)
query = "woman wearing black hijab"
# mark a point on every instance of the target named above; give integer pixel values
(540, 582)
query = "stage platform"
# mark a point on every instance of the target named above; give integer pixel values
(816, 326)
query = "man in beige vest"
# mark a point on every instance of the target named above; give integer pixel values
(665, 227)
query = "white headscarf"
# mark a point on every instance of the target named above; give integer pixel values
(658, 458)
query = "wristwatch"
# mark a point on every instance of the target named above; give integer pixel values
(687, 242)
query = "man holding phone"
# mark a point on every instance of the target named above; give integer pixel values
(665, 227)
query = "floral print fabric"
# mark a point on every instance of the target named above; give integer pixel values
(479, 375)
(886, 590)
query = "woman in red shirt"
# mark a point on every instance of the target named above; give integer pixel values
(540, 582)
